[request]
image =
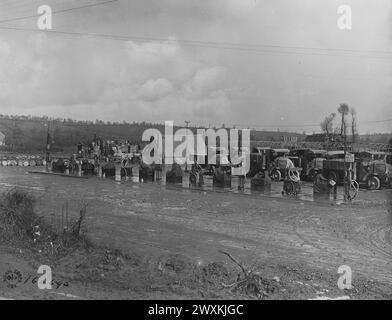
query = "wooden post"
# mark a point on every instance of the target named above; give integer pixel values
(241, 183)
(237, 178)
(208, 181)
(157, 175)
(136, 173)
(79, 169)
(117, 176)
(235, 182)
(163, 181)
(238, 182)
(49, 166)
(185, 179)
(199, 179)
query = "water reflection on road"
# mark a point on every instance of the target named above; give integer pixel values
(111, 191)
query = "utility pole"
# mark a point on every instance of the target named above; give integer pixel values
(347, 180)
(187, 122)
(48, 147)
(13, 135)
(344, 110)
(345, 169)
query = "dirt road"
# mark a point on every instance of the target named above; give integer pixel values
(199, 224)
(282, 236)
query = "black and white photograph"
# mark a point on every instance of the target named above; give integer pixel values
(195, 150)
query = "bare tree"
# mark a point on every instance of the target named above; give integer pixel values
(327, 124)
(353, 124)
(343, 110)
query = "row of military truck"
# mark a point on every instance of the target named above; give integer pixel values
(371, 169)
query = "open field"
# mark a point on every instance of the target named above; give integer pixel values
(295, 245)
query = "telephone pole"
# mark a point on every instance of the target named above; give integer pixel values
(187, 122)
(48, 147)
(345, 169)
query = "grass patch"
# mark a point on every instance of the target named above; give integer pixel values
(21, 226)
(17, 215)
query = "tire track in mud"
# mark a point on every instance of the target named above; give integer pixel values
(294, 218)
(197, 246)
(287, 245)
(205, 220)
(381, 239)
(222, 227)
(280, 227)
(376, 241)
(273, 230)
(374, 234)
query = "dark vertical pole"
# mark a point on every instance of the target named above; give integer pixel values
(186, 160)
(344, 162)
(48, 146)
(13, 135)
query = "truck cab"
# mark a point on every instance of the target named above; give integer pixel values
(373, 169)
(336, 163)
(311, 162)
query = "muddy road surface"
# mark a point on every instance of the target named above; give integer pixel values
(267, 229)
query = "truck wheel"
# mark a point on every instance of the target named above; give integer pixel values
(312, 175)
(192, 178)
(332, 175)
(374, 183)
(276, 175)
(297, 188)
(291, 188)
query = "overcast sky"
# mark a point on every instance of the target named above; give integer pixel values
(269, 86)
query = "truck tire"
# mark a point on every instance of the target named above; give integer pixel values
(276, 175)
(312, 175)
(374, 183)
(192, 178)
(288, 187)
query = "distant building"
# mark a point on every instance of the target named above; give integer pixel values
(323, 137)
(317, 137)
(2, 139)
(289, 139)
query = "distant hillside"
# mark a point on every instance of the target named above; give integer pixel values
(23, 133)
(377, 138)
(30, 134)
